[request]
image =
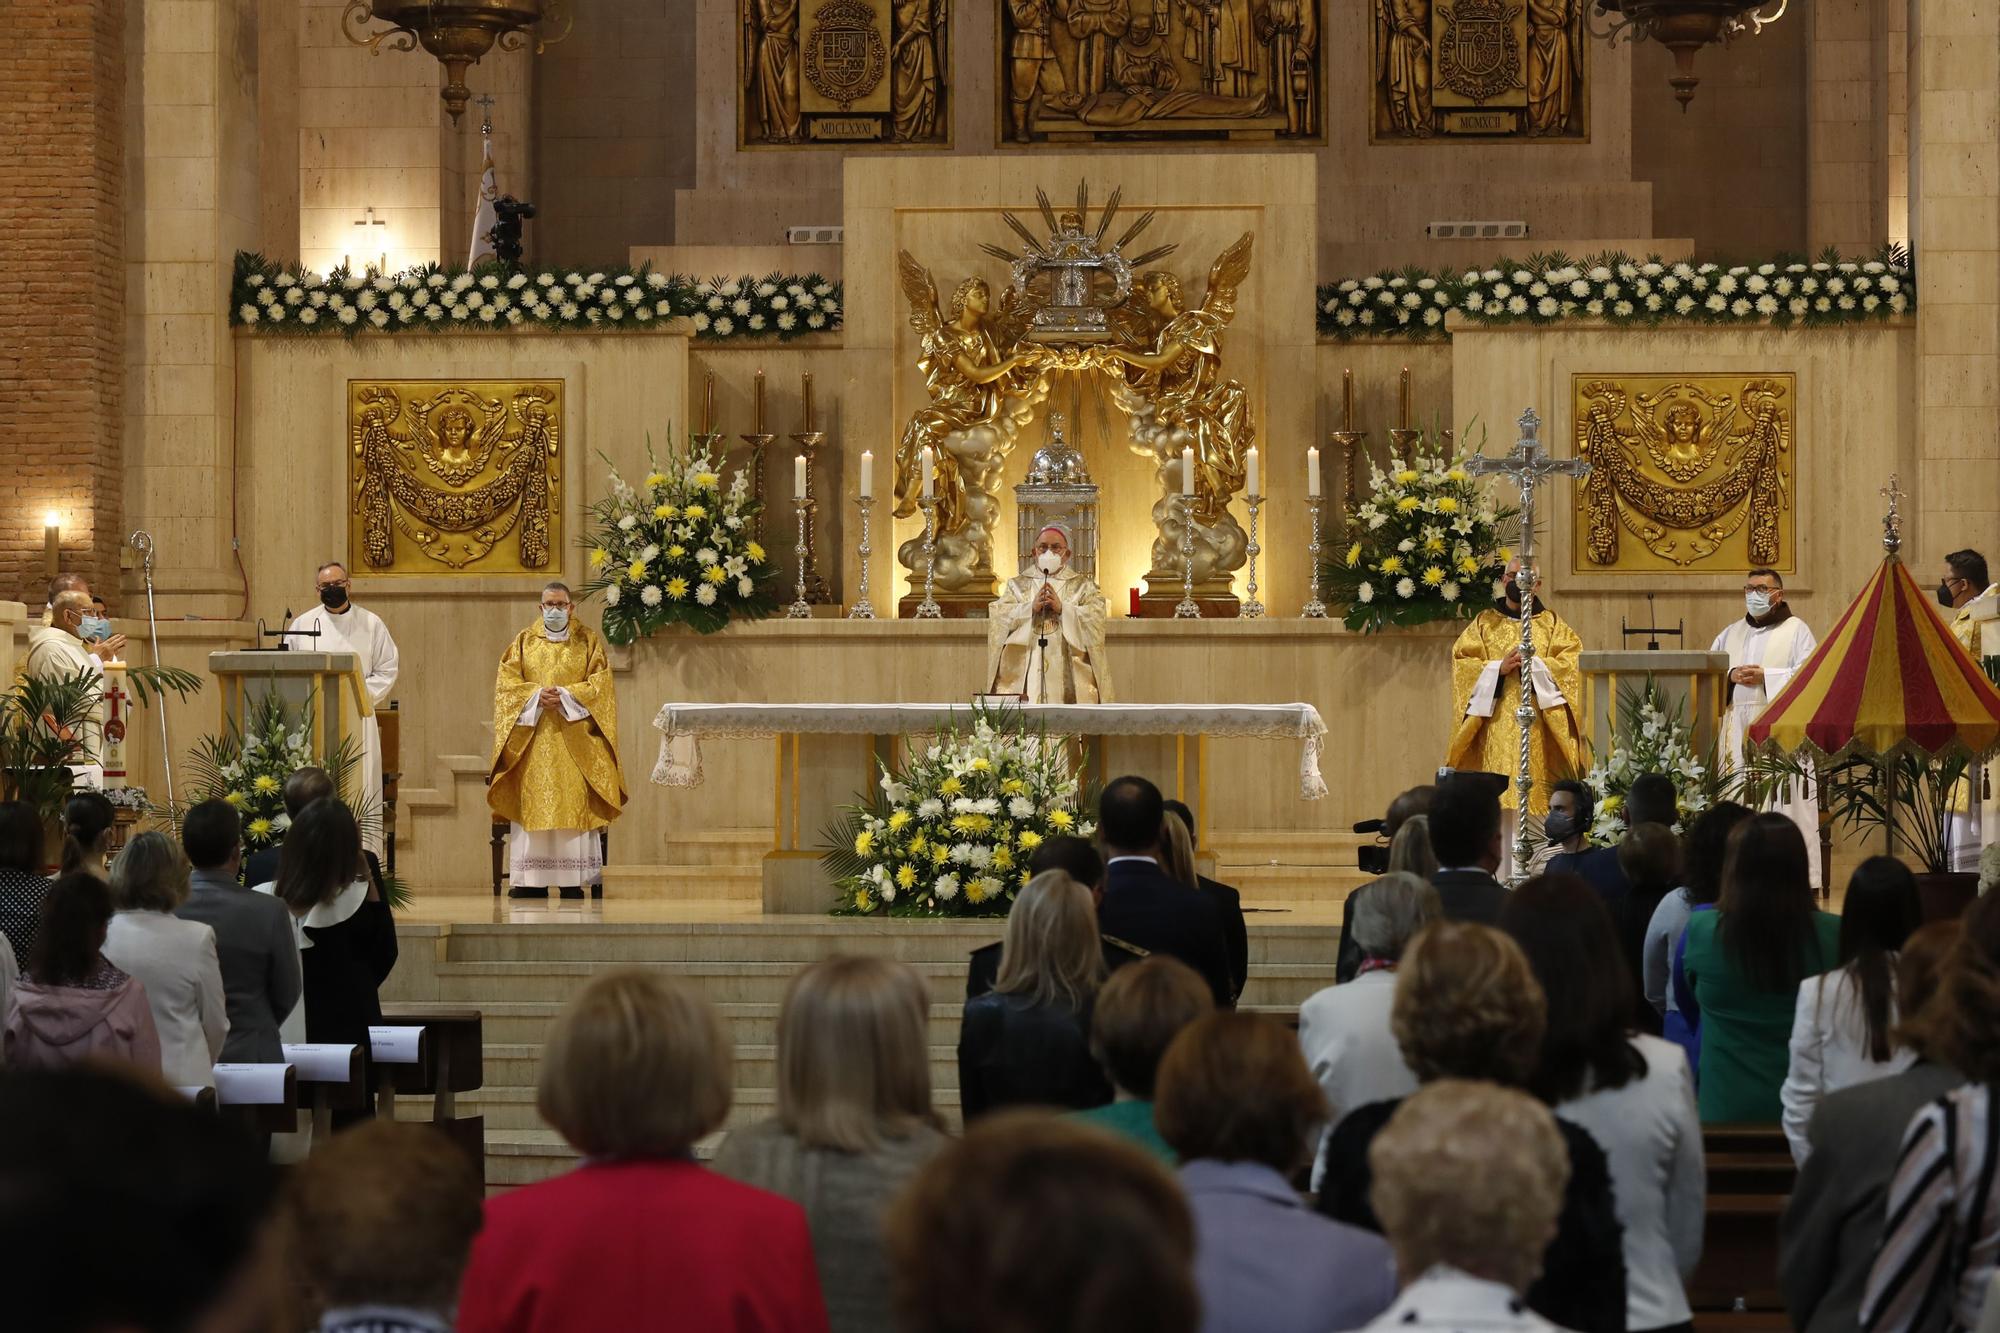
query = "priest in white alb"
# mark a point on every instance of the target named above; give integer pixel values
(1045, 632)
(346, 628)
(57, 652)
(1765, 648)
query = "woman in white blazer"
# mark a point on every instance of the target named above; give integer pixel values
(174, 959)
(1841, 1030)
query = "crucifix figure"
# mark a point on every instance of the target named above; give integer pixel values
(1526, 467)
(1892, 521)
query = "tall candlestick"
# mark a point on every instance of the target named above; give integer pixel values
(1187, 472)
(1312, 472)
(1252, 478)
(930, 472)
(708, 404)
(799, 476)
(1347, 400)
(807, 390)
(867, 474)
(1403, 402)
(757, 407)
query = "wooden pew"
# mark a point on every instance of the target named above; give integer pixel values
(259, 1110)
(1750, 1175)
(450, 1059)
(334, 1079)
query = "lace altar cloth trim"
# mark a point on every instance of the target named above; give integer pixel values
(682, 726)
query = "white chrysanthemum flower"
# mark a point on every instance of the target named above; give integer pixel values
(1717, 302)
(744, 587)
(650, 594)
(1767, 304)
(1517, 305)
(945, 887)
(1547, 307)
(724, 327)
(1449, 592)
(628, 522)
(1406, 587)
(930, 808)
(380, 319)
(1366, 592)
(248, 313)
(705, 594)
(308, 316)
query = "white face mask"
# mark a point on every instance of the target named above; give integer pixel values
(1757, 603)
(555, 619)
(1049, 562)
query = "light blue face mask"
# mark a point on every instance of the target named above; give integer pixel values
(555, 619)
(93, 629)
(1757, 603)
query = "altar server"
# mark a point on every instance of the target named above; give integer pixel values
(1045, 633)
(1765, 648)
(555, 775)
(346, 628)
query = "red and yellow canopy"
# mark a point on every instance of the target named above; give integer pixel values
(1890, 677)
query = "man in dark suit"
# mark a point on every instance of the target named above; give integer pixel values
(1144, 905)
(1228, 906)
(1078, 859)
(1465, 838)
(261, 978)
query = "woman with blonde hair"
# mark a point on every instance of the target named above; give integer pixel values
(637, 1069)
(1027, 1041)
(175, 960)
(1410, 850)
(854, 1123)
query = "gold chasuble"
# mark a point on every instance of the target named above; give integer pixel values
(1488, 737)
(561, 771)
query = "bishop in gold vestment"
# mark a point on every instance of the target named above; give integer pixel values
(1486, 681)
(555, 776)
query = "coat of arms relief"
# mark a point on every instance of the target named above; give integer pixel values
(1496, 69)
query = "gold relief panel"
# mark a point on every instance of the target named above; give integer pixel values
(1459, 70)
(834, 73)
(459, 475)
(1688, 473)
(1120, 71)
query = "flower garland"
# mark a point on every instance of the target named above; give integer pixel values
(1650, 736)
(1428, 536)
(1619, 289)
(268, 297)
(677, 549)
(952, 836)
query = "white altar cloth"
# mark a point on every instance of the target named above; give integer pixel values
(682, 726)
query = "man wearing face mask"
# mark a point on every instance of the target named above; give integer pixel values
(555, 776)
(346, 628)
(1045, 633)
(1765, 648)
(1969, 599)
(56, 651)
(98, 639)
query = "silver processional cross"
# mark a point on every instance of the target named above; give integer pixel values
(1526, 468)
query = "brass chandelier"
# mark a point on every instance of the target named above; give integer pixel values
(1683, 27)
(457, 32)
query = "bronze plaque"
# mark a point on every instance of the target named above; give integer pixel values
(1447, 69)
(827, 73)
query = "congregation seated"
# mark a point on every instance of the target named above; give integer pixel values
(1631, 1092)
(254, 941)
(72, 1005)
(1833, 1221)
(1740, 967)
(1139, 1013)
(1465, 826)
(1180, 855)
(174, 960)
(1027, 1041)
(380, 1222)
(1239, 1106)
(1145, 907)
(1843, 1023)
(636, 1069)
(22, 885)
(1701, 884)
(88, 820)
(1469, 1179)
(1079, 859)
(1344, 1029)
(1649, 856)
(1037, 1223)
(854, 1122)
(1936, 1263)
(1467, 1006)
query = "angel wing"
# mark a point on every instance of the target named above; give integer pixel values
(921, 293)
(1225, 275)
(1133, 320)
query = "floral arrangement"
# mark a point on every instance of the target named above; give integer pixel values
(134, 799)
(677, 549)
(269, 297)
(1650, 735)
(1619, 289)
(248, 768)
(1425, 536)
(953, 834)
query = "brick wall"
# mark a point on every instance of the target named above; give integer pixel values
(62, 286)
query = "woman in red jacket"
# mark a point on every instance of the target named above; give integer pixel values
(640, 1236)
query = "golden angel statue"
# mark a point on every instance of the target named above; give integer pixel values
(1175, 393)
(983, 391)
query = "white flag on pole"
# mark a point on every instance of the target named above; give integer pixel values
(484, 219)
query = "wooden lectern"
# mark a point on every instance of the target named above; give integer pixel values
(330, 684)
(1699, 680)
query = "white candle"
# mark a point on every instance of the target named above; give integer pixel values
(1187, 472)
(930, 473)
(1252, 476)
(867, 474)
(1312, 471)
(799, 476)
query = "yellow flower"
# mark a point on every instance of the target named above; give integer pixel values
(1506, 554)
(1432, 545)
(971, 823)
(906, 877)
(975, 892)
(1456, 474)
(862, 901)
(940, 854)
(1013, 787)
(663, 511)
(1353, 554)
(636, 570)
(706, 479)
(1468, 566)
(1447, 504)
(237, 799)
(695, 511)
(265, 783)
(919, 845)
(753, 550)
(1433, 576)
(950, 787)
(1003, 858)
(598, 556)
(715, 574)
(676, 551)
(1406, 476)
(1061, 819)
(258, 828)
(1027, 875)
(1392, 564)
(864, 842)
(982, 766)
(1408, 504)
(656, 478)
(898, 820)
(677, 588)
(1030, 840)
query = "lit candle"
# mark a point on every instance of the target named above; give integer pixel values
(757, 410)
(867, 474)
(799, 476)
(1187, 472)
(52, 543)
(1252, 477)
(1347, 400)
(1312, 471)
(1403, 405)
(807, 389)
(708, 404)
(930, 473)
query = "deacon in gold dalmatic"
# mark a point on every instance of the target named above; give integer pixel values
(555, 776)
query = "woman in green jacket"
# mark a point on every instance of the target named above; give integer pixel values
(1744, 962)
